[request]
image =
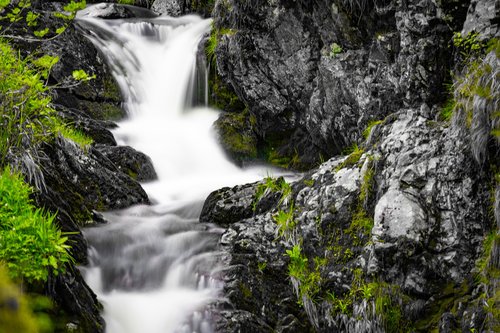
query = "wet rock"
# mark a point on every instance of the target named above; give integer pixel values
(168, 7)
(87, 180)
(130, 161)
(428, 218)
(226, 206)
(79, 305)
(112, 11)
(482, 17)
(314, 74)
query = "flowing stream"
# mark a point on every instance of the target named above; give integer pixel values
(154, 268)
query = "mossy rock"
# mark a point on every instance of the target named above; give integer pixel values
(236, 136)
(102, 110)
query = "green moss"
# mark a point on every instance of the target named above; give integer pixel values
(308, 182)
(368, 129)
(111, 89)
(203, 6)
(238, 140)
(245, 291)
(102, 110)
(447, 110)
(449, 300)
(352, 159)
(367, 184)
(213, 40)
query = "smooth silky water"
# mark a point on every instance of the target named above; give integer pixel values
(154, 268)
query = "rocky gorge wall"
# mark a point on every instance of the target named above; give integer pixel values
(401, 232)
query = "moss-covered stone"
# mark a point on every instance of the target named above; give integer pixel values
(102, 110)
(236, 136)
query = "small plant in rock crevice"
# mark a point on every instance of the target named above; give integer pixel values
(335, 49)
(355, 153)
(271, 185)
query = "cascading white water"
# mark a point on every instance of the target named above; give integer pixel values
(153, 267)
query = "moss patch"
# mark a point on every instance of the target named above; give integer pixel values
(236, 136)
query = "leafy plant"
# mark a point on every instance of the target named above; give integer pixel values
(371, 125)
(285, 221)
(309, 281)
(335, 49)
(31, 245)
(270, 185)
(469, 46)
(26, 116)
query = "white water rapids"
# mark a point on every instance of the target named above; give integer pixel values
(154, 268)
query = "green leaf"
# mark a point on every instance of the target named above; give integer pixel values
(81, 75)
(31, 19)
(53, 261)
(41, 33)
(4, 3)
(60, 30)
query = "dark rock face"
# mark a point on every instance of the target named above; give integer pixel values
(315, 73)
(130, 161)
(391, 237)
(88, 180)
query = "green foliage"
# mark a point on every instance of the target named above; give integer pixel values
(26, 116)
(368, 129)
(126, 2)
(447, 110)
(31, 245)
(81, 75)
(469, 46)
(352, 159)
(285, 221)
(70, 10)
(335, 49)
(309, 281)
(270, 185)
(21, 11)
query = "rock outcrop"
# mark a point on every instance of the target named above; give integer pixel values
(399, 235)
(314, 74)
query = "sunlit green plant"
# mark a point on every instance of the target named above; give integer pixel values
(31, 245)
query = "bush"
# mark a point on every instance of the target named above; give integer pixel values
(31, 245)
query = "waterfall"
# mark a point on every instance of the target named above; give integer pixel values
(154, 268)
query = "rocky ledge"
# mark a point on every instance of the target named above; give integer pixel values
(398, 233)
